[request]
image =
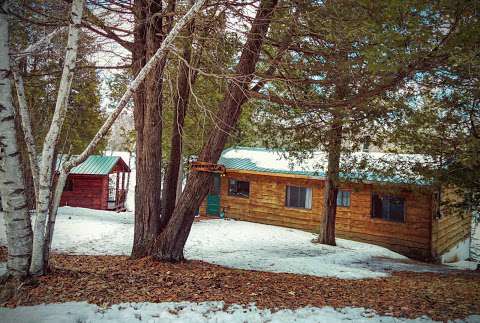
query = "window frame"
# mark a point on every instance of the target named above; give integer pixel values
(307, 188)
(340, 193)
(389, 219)
(235, 194)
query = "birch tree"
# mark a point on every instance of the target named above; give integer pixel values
(12, 190)
(51, 140)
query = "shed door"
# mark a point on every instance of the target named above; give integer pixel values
(213, 198)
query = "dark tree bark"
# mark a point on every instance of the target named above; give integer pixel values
(148, 36)
(334, 151)
(182, 95)
(170, 243)
(327, 230)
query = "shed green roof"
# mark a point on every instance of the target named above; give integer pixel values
(94, 165)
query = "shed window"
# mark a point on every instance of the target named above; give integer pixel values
(388, 207)
(343, 198)
(238, 188)
(68, 185)
(298, 197)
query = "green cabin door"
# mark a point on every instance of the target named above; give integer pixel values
(213, 198)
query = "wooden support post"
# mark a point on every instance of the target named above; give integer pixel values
(123, 191)
(116, 191)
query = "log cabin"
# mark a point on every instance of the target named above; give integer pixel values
(97, 183)
(265, 186)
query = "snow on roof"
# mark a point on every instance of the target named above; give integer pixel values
(369, 166)
(94, 165)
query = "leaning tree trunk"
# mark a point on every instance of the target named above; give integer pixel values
(46, 171)
(12, 189)
(181, 98)
(170, 243)
(327, 229)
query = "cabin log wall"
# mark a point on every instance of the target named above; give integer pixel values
(266, 204)
(452, 227)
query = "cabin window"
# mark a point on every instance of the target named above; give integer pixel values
(238, 188)
(387, 207)
(300, 197)
(68, 185)
(343, 198)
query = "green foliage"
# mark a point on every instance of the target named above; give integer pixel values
(41, 73)
(409, 67)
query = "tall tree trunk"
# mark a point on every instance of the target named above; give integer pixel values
(51, 140)
(148, 124)
(181, 98)
(12, 189)
(170, 243)
(327, 230)
(132, 88)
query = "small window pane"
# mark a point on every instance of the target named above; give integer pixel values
(376, 206)
(390, 208)
(238, 188)
(397, 209)
(301, 196)
(298, 197)
(343, 198)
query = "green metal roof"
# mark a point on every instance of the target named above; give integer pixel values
(94, 165)
(248, 160)
(247, 163)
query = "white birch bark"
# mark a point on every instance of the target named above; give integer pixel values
(26, 127)
(61, 180)
(23, 107)
(45, 173)
(159, 54)
(12, 189)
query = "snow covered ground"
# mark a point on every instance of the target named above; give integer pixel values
(475, 247)
(192, 313)
(226, 242)
(236, 244)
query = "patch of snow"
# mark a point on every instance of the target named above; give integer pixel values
(459, 252)
(475, 245)
(235, 244)
(464, 265)
(474, 261)
(193, 312)
(246, 245)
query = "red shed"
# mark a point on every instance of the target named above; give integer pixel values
(97, 183)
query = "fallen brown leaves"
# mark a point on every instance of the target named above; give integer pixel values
(107, 280)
